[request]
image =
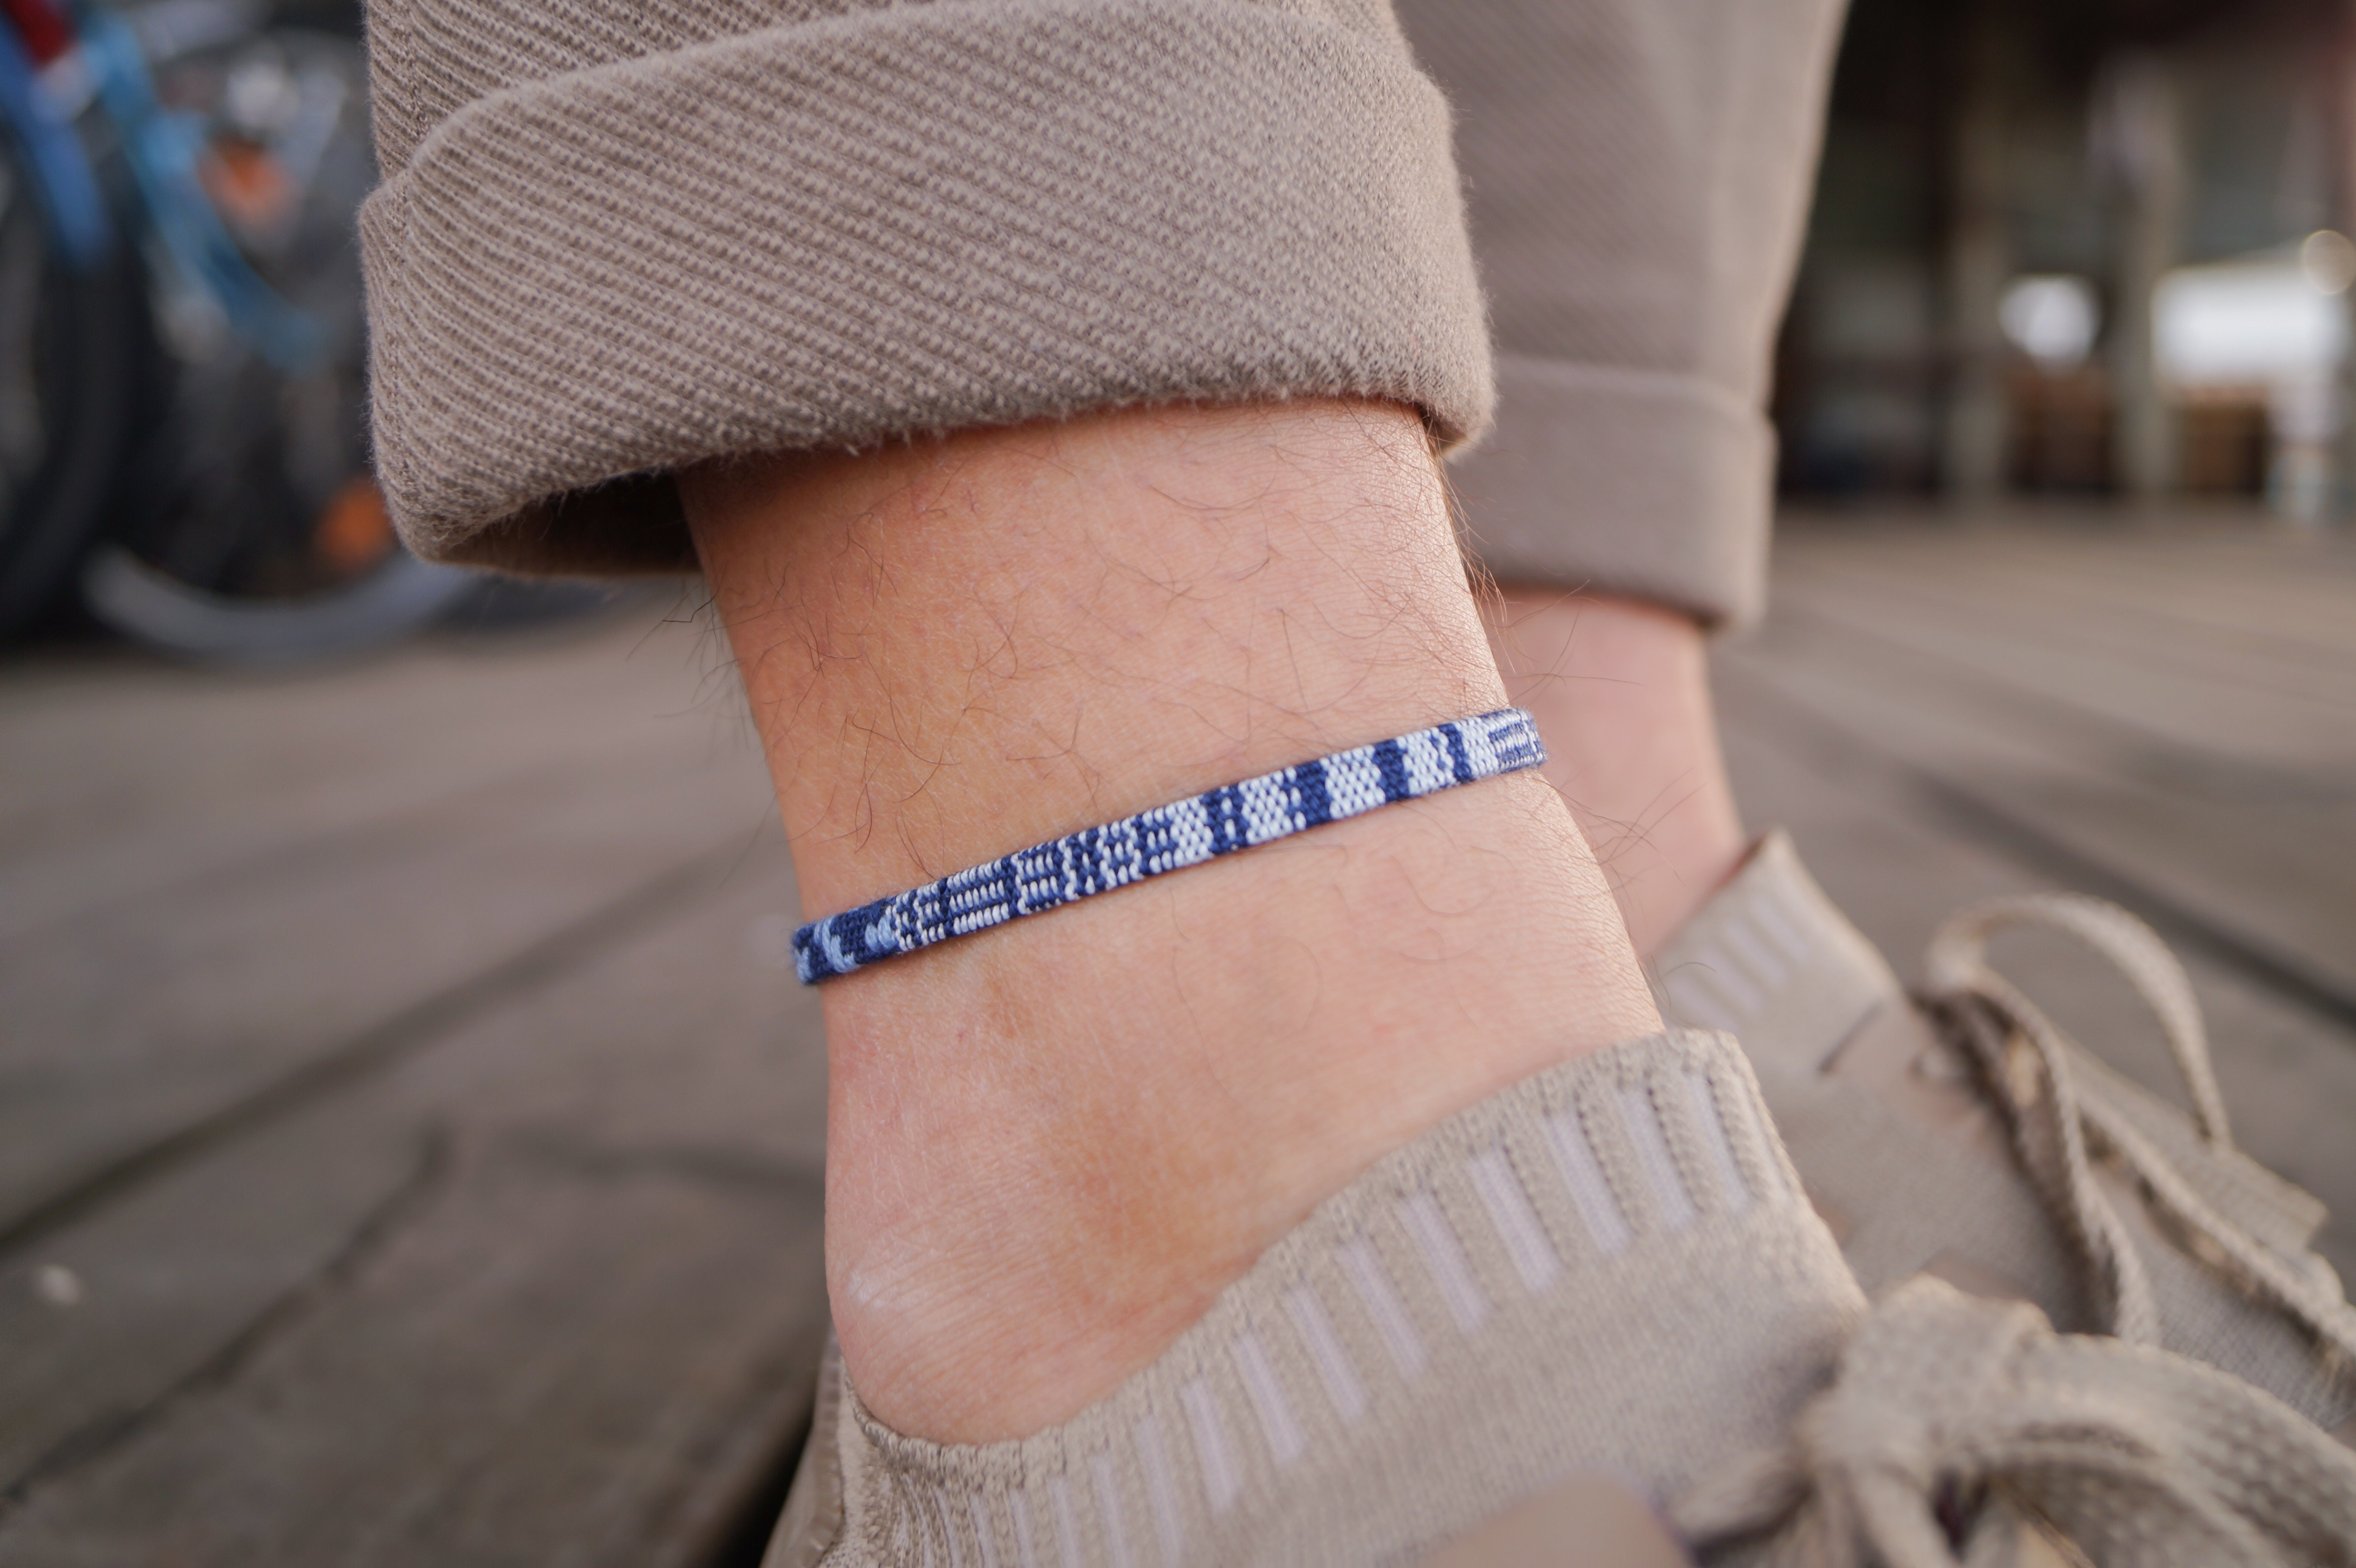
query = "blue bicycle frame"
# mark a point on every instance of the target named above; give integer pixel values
(62, 171)
(163, 150)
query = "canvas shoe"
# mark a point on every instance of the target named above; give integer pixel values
(1962, 1134)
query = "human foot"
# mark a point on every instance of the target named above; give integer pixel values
(1051, 1143)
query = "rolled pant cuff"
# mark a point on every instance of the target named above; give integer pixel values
(837, 233)
(1641, 484)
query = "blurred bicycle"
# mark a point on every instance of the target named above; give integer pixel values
(182, 354)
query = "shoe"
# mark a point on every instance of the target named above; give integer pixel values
(1955, 1430)
(1963, 1431)
(1598, 1301)
(1962, 1134)
(1605, 1272)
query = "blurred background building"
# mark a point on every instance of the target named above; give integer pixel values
(2081, 248)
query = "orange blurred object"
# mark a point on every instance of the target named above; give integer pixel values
(355, 532)
(246, 183)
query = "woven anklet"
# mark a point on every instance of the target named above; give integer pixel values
(1169, 838)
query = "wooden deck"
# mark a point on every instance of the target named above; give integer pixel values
(409, 1136)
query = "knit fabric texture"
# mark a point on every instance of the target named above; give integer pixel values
(1608, 1268)
(1904, 1144)
(1171, 838)
(616, 239)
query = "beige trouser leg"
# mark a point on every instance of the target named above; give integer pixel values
(1637, 173)
(619, 246)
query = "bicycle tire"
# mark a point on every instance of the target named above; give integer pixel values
(166, 614)
(225, 548)
(77, 365)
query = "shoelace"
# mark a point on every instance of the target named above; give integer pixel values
(1953, 1421)
(2061, 1122)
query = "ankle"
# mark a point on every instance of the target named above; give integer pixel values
(1621, 691)
(1050, 1145)
(1035, 1186)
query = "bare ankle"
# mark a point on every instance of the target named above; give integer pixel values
(1049, 1146)
(1621, 691)
(1138, 1094)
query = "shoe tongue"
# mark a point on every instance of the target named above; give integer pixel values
(1770, 960)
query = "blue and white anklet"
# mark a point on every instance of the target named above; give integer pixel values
(1170, 838)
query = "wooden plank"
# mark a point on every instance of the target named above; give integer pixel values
(126, 776)
(158, 1291)
(2224, 787)
(1867, 806)
(570, 1316)
(2239, 576)
(2267, 693)
(129, 1024)
(2264, 872)
(304, 924)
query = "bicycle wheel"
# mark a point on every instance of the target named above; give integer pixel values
(255, 532)
(71, 348)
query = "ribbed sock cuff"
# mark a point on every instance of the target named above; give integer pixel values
(1608, 1267)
